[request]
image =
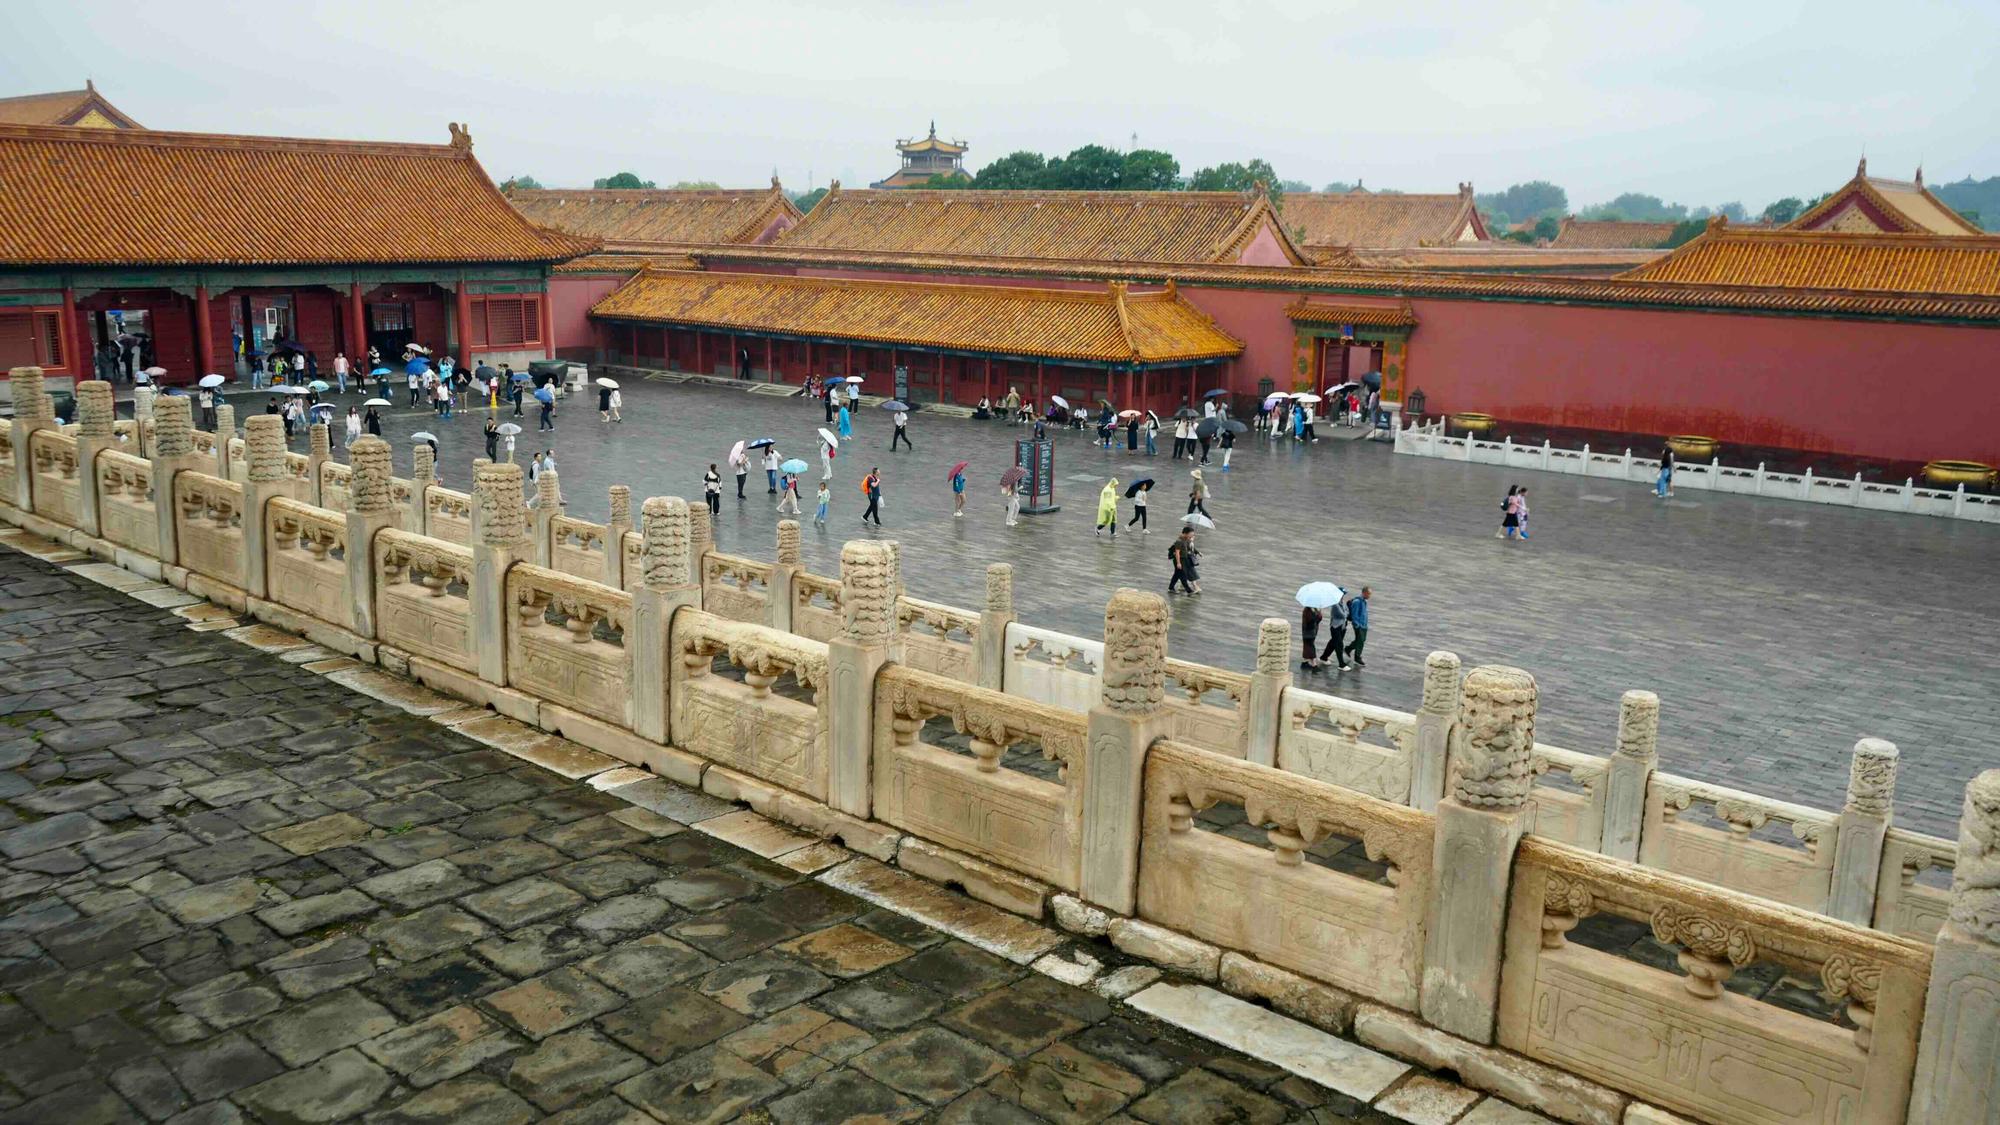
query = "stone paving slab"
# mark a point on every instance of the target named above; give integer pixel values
(240, 890)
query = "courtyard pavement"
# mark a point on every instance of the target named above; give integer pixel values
(236, 890)
(1776, 633)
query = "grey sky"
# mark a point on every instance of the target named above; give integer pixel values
(1699, 102)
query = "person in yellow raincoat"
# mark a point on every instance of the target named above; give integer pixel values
(1107, 509)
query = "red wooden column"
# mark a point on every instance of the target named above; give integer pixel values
(548, 325)
(770, 370)
(986, 379)
(809, 358)
(204, 332)
(80, 368)
(357, 328)
(699, 338)
(1040, 399)
(463, 313)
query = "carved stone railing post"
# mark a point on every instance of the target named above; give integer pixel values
(1130, 713)
(500, 538)
(614, 536)
(778, 587)
(225, 428)
(701, 539)
(173, 451)
(423, 474)
(1478, 824)
(1958, 1055)
(1267, 691)
(266, 476)
(1864, 825)
(1437, 719)
(867, 640)
(95, 413)
(32, 411)
(666, 583)
(370, 508)
(548, 505)
(1632, 764)
(989, 656)
(319, 450)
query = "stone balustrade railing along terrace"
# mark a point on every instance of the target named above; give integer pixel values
(1435, 882)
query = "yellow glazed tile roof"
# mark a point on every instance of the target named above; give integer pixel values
(64, 107)
(1108, 325)
(672, 217)
(1863, 263)
(144, 198)
(1605, 234)
(627, 263)
(1871, 203)
(1380, 220)
(1132, 226)
(1361, 316)
(1500, 257)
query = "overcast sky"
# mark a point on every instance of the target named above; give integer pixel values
(1698, 102)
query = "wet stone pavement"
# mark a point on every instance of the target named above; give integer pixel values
(234, 890)
(1775, 633)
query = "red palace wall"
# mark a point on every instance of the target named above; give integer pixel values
(570, 299)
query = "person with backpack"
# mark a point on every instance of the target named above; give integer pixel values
(1336, 641)
(1507, 520)
(788, 499)
(1182, 553)
(872, 486)
(1357, 616)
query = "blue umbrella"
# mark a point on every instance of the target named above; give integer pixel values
(892, 404)
(759, 443)
(523, 377)
(417, 366)
(793, 466)
(545, 395)
(1319, 595)
(380, 371)
(1215, 393)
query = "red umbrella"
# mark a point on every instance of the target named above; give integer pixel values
(957, 469)
(1013, 476)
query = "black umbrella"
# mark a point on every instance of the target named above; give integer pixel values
(1215, 392)
(484, 372)
(1187, 412)
(1132, 489)
(1372, 380)
(1235, 427)
(1207, 428)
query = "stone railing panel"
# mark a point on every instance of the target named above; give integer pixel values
(938, 638)
(448, 515)
(1794, 867)
(1566, 796)
(633, 546)
(1349, 931)
(1913, 894)
(1685, 1042)
(7, 463)
(54, 462)
(421, 597)
(746, 726)
(815, 606)
(735, 587)
(209, 525)
(305, 561)
(1353, 745)
(333, 485)
(125, 511)
(576, 547)
(1209, 706)
(566, 642)
(1052, 668)
(968, 802)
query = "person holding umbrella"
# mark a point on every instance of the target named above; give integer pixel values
(1107, 509)
(740, 460)
(604, 388)
(547, 422)
(788, 498)
(1228, 441)
(771, 468)
(1184, 556)
(1137, 491)
(828, 445)
(1010, 488)
(958, 490)
(872, 485)
(902, 433)
(1152, 434)
(711, 488)
(1315, 598)
(372, 422)
(1197, 495)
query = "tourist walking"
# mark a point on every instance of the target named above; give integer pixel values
(340, 366)
(353, 426)
(1310, 619)
(603, 403)
(825, 498)
(1183, 554)
(741, 463)
(1521, 506)
(788, 497)
(492, 439)
(846, 423)
(958, 493)
(1107, 509)
(902, 433)
(1664, 486)
(372, 422)
(1228, 445)
(1512, 509)
(872, 485)
(1357, 616)
(1012, 496)
(547, 422)
(416, 385)
(825, 459)
(771, 468)
(1152, 434)
(1336, 641)
(826, 396)
(1198, 495)
(1139, 508)
(711, 487)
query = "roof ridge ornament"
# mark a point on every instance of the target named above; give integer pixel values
(461, 137)
(1861, 169)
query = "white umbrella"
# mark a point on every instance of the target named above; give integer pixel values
(508, 429)
(1319, 595)
(212, 380)
(156, 372)
(426, 435)
(291, 390)
(378, 402)
(417, 348)
(826, 436)
(1307, 398)
(1059, 401)
(608, 384)
(1274, 396)
(1198, 520)
(1337, 388)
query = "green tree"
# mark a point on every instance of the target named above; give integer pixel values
(694, 185)
(1684, 232)
(806, 201)
(948, 182)
(1547, 227)
(525, 183)
(1522, 202)
(1783, 211)
(1090, 168)
(1733, 211)
(1636, 207)
(1236, 177)
(1337, 187)
(1016, 171)
(1972, 198)
(1149, 169)
(622, 180)
(1294, 185)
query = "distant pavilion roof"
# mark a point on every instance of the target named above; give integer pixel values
(1610, 234)
(1328, 221)
(1871, 203)
(1104, 326)
(650, 218)
(932, 143)
(1955, 265)
(117, 197)
(85, 108)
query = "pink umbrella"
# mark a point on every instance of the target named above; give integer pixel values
(957, 469)
(736, 454)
